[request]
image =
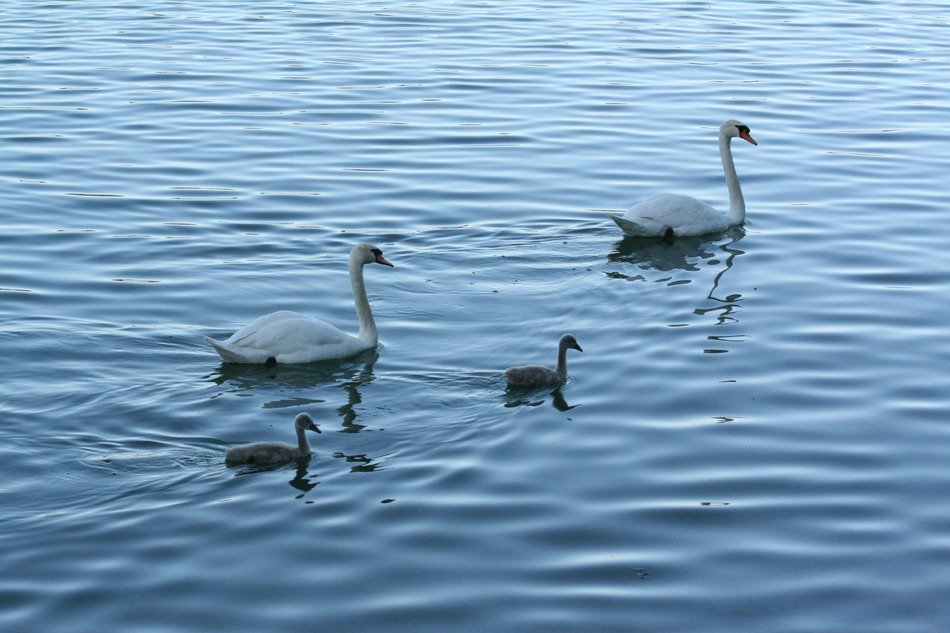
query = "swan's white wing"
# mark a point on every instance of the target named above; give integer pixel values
(267, 324)
(684, 214)
(288, 337)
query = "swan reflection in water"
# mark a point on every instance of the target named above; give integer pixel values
(350, 375)
(304, 376)
(351, 385)
(679, 261)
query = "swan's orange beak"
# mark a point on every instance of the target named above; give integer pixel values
(382, 260)
(745, 136)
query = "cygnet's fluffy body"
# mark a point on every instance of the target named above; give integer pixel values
(275, 452)
(536, 376)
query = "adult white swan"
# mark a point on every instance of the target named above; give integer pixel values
(290, 337)
(672, 215)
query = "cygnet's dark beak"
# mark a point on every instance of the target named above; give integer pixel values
(314, 427)
(382, 260)
(578, 347)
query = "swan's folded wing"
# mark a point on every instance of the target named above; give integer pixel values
(261, 323)
(684, 214)
(287, 332)
(675, 209)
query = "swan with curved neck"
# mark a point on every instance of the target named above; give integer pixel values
(535, 376)
(275, 452)
(290, 337)
(672, 215)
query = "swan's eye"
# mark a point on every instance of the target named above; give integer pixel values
(377, 252)
(743, 129)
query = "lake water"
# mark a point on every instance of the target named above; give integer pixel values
(756, 436)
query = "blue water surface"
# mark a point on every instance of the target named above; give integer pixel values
(756, 436)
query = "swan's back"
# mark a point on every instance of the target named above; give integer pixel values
(532, 376)
(684, 214)
(287, 337)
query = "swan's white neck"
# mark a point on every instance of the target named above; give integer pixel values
(736, 201)
(368, 333)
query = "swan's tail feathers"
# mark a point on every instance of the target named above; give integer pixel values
(225, 353)
(628, 226)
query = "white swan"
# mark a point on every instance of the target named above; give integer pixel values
(678, 215)
(275, 452)
(534, 376)
(290, 337)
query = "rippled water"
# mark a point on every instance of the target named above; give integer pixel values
(754, 438)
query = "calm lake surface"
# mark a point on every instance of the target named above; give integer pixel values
(756, 436)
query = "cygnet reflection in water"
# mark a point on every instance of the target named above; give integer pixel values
(519, 398)
(536, 376)
(274, 452)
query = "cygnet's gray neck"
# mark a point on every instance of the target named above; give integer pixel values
(302, 444)
(562, 359)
